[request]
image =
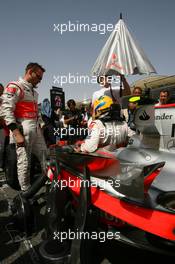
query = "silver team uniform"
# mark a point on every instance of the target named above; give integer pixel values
(19, 106)
(109, 135)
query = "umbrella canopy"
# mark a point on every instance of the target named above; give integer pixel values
(122, 55)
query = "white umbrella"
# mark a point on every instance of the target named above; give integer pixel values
(122, 55)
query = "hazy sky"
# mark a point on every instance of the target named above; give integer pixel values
(27, 34)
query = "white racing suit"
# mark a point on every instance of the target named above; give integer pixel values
(108, 135)
(2, 141)
(20, 110)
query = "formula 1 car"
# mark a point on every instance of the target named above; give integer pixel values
(129, 192)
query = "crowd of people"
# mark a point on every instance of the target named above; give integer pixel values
(69, 125)
(101, 124)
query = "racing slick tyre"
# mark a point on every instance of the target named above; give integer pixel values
(166, 200)
(23, 217)
(22, 207)
(55, 252)
(160, 242)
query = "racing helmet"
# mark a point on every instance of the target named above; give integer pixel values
(102, 106)
(134, 99)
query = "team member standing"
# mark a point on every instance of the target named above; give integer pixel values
(2, 135)
(19, 109)
(112, 92)
(164, 97)
(73, 119)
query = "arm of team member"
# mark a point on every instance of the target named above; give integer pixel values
(126, 86)
(68, 120)
(10, 98)
(92, 141)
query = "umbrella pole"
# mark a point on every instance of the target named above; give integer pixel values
(121, 17)
(120, 86)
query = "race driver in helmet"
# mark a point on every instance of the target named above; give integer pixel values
(107, 130)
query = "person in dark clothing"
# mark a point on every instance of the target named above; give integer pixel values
(56, 117)
(57, 123)
(132, 106)
(72, 119)
(48, 128)
(2, 134)
(72, 116)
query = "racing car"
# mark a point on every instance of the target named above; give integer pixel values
(127, 195)
(129, 192)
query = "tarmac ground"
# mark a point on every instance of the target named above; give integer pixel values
(15, 247)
